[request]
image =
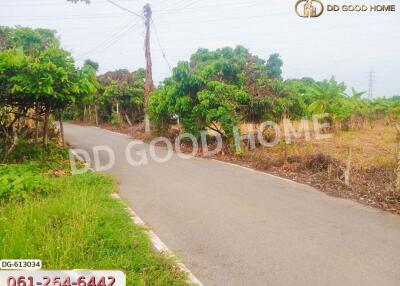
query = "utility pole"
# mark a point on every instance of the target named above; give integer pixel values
(371, 84)
(149, 85)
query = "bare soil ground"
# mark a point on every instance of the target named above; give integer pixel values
(322, 163)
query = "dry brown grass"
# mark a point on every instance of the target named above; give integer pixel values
(371, 147)
(322, 163)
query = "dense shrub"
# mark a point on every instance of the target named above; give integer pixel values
(20, 182)
(26, 152)
(24, 177)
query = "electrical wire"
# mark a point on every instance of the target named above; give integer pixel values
(217, 6)
(177, 6)
(125, 9)
(112, 43)
(68, 17)
(109, 39)
(160, 46)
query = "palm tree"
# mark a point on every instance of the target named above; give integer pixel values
(324, 95)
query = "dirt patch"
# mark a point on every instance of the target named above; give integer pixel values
(319, 162)
(55, 173)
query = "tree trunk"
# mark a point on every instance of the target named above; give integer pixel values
(398, 159)
(96, 114)
(84, 114)
(46, 129)
(37, 128)
(13, 144)
(127, 119)
(62, 127)
(398, 171)
(89, 113)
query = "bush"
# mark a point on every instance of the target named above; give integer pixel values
(27, 152)
(116, 119)
(24, 177)
(24, 152)
(20, 182)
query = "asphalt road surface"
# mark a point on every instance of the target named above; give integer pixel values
(232, 226)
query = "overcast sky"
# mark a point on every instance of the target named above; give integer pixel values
(346, 45)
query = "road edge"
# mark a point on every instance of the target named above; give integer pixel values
(157, 243)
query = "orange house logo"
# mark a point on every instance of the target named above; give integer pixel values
(309, 8)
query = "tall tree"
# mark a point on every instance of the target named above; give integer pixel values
(214, 90)
(93, 64)
(125, 89)
(274, 66)
(31, 41)
(48, 82)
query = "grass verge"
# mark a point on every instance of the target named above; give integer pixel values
(79, 226)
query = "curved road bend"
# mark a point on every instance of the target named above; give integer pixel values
(233, 226)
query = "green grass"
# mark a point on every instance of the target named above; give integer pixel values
(80, 226)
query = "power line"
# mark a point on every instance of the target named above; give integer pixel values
(49, 3)
(125, 9)
(159, 44)
(109, 39)
(290, 41)
(119, 36)
(170, 4)
(225, 19)
(176, 6)
(191, 3)
(67, 17)
(224, 6)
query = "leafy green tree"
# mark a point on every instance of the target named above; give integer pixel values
(16, 76)
(197, 92)
(47, 83)
(219, 103)
(325, 96)
(212, 91)
(121, 96)
(15, 99)
(274, 66)
(290, 99)
(382, 107)
(87, 105)
(59, 84)
(93, 64)
(31, 41)
(5, 36)
(356, 94)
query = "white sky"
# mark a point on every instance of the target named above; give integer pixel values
(346, 45)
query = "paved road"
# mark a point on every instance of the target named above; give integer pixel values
(232, 226)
